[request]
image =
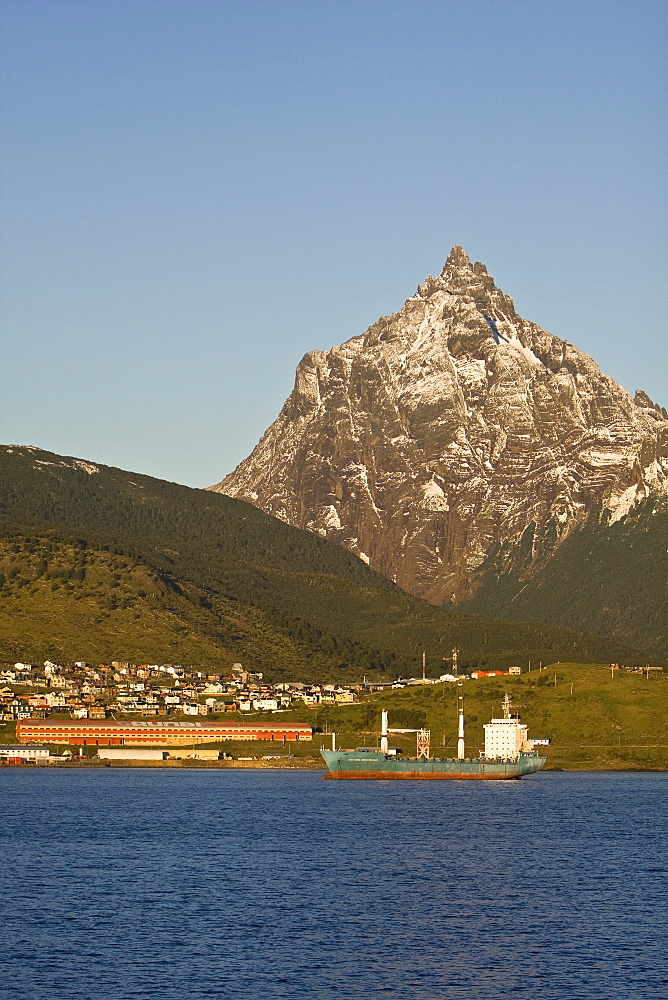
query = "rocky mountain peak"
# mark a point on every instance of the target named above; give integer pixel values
(458, 259)
(449, 431)
(468, 283)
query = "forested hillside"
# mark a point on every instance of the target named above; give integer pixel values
(609, 578)
(98, 563)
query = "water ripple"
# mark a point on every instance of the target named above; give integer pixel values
(160, 885)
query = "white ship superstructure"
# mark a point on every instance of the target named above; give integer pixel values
(506, 738)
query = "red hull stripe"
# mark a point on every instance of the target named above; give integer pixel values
(416, 776)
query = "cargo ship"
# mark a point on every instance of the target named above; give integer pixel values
(508, 754)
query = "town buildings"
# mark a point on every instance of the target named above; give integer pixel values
(83, 691)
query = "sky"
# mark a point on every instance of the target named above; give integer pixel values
(195, 194)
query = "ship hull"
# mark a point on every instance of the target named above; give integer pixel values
(349, 765)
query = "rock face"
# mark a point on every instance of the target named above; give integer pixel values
(451, 430)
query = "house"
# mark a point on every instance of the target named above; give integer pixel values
(38, 701)
(17, 709)
(215, 705)
(346, 697)
(212, 687)
(55, 699)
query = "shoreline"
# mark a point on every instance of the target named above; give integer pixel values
(273, 765)
(215, 765)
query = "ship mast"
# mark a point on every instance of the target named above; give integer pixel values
(460, 712)
(384, 746)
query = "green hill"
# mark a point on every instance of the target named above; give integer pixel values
(101, 564)
(594, 720)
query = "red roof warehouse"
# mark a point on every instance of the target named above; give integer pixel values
(88, 732)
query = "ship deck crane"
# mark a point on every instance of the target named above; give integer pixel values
(423, 738)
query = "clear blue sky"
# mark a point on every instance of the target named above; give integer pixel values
(194, 194)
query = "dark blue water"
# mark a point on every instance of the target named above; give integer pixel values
(120, 884)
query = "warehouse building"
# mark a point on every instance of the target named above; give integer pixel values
(158, 753)
(90, 732)
(15, 754)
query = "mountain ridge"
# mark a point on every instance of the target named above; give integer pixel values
(432, 441)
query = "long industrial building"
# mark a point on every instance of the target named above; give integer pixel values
(88, 732)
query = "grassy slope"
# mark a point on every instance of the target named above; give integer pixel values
(115, 565)
(121, 609)
(607, 722)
